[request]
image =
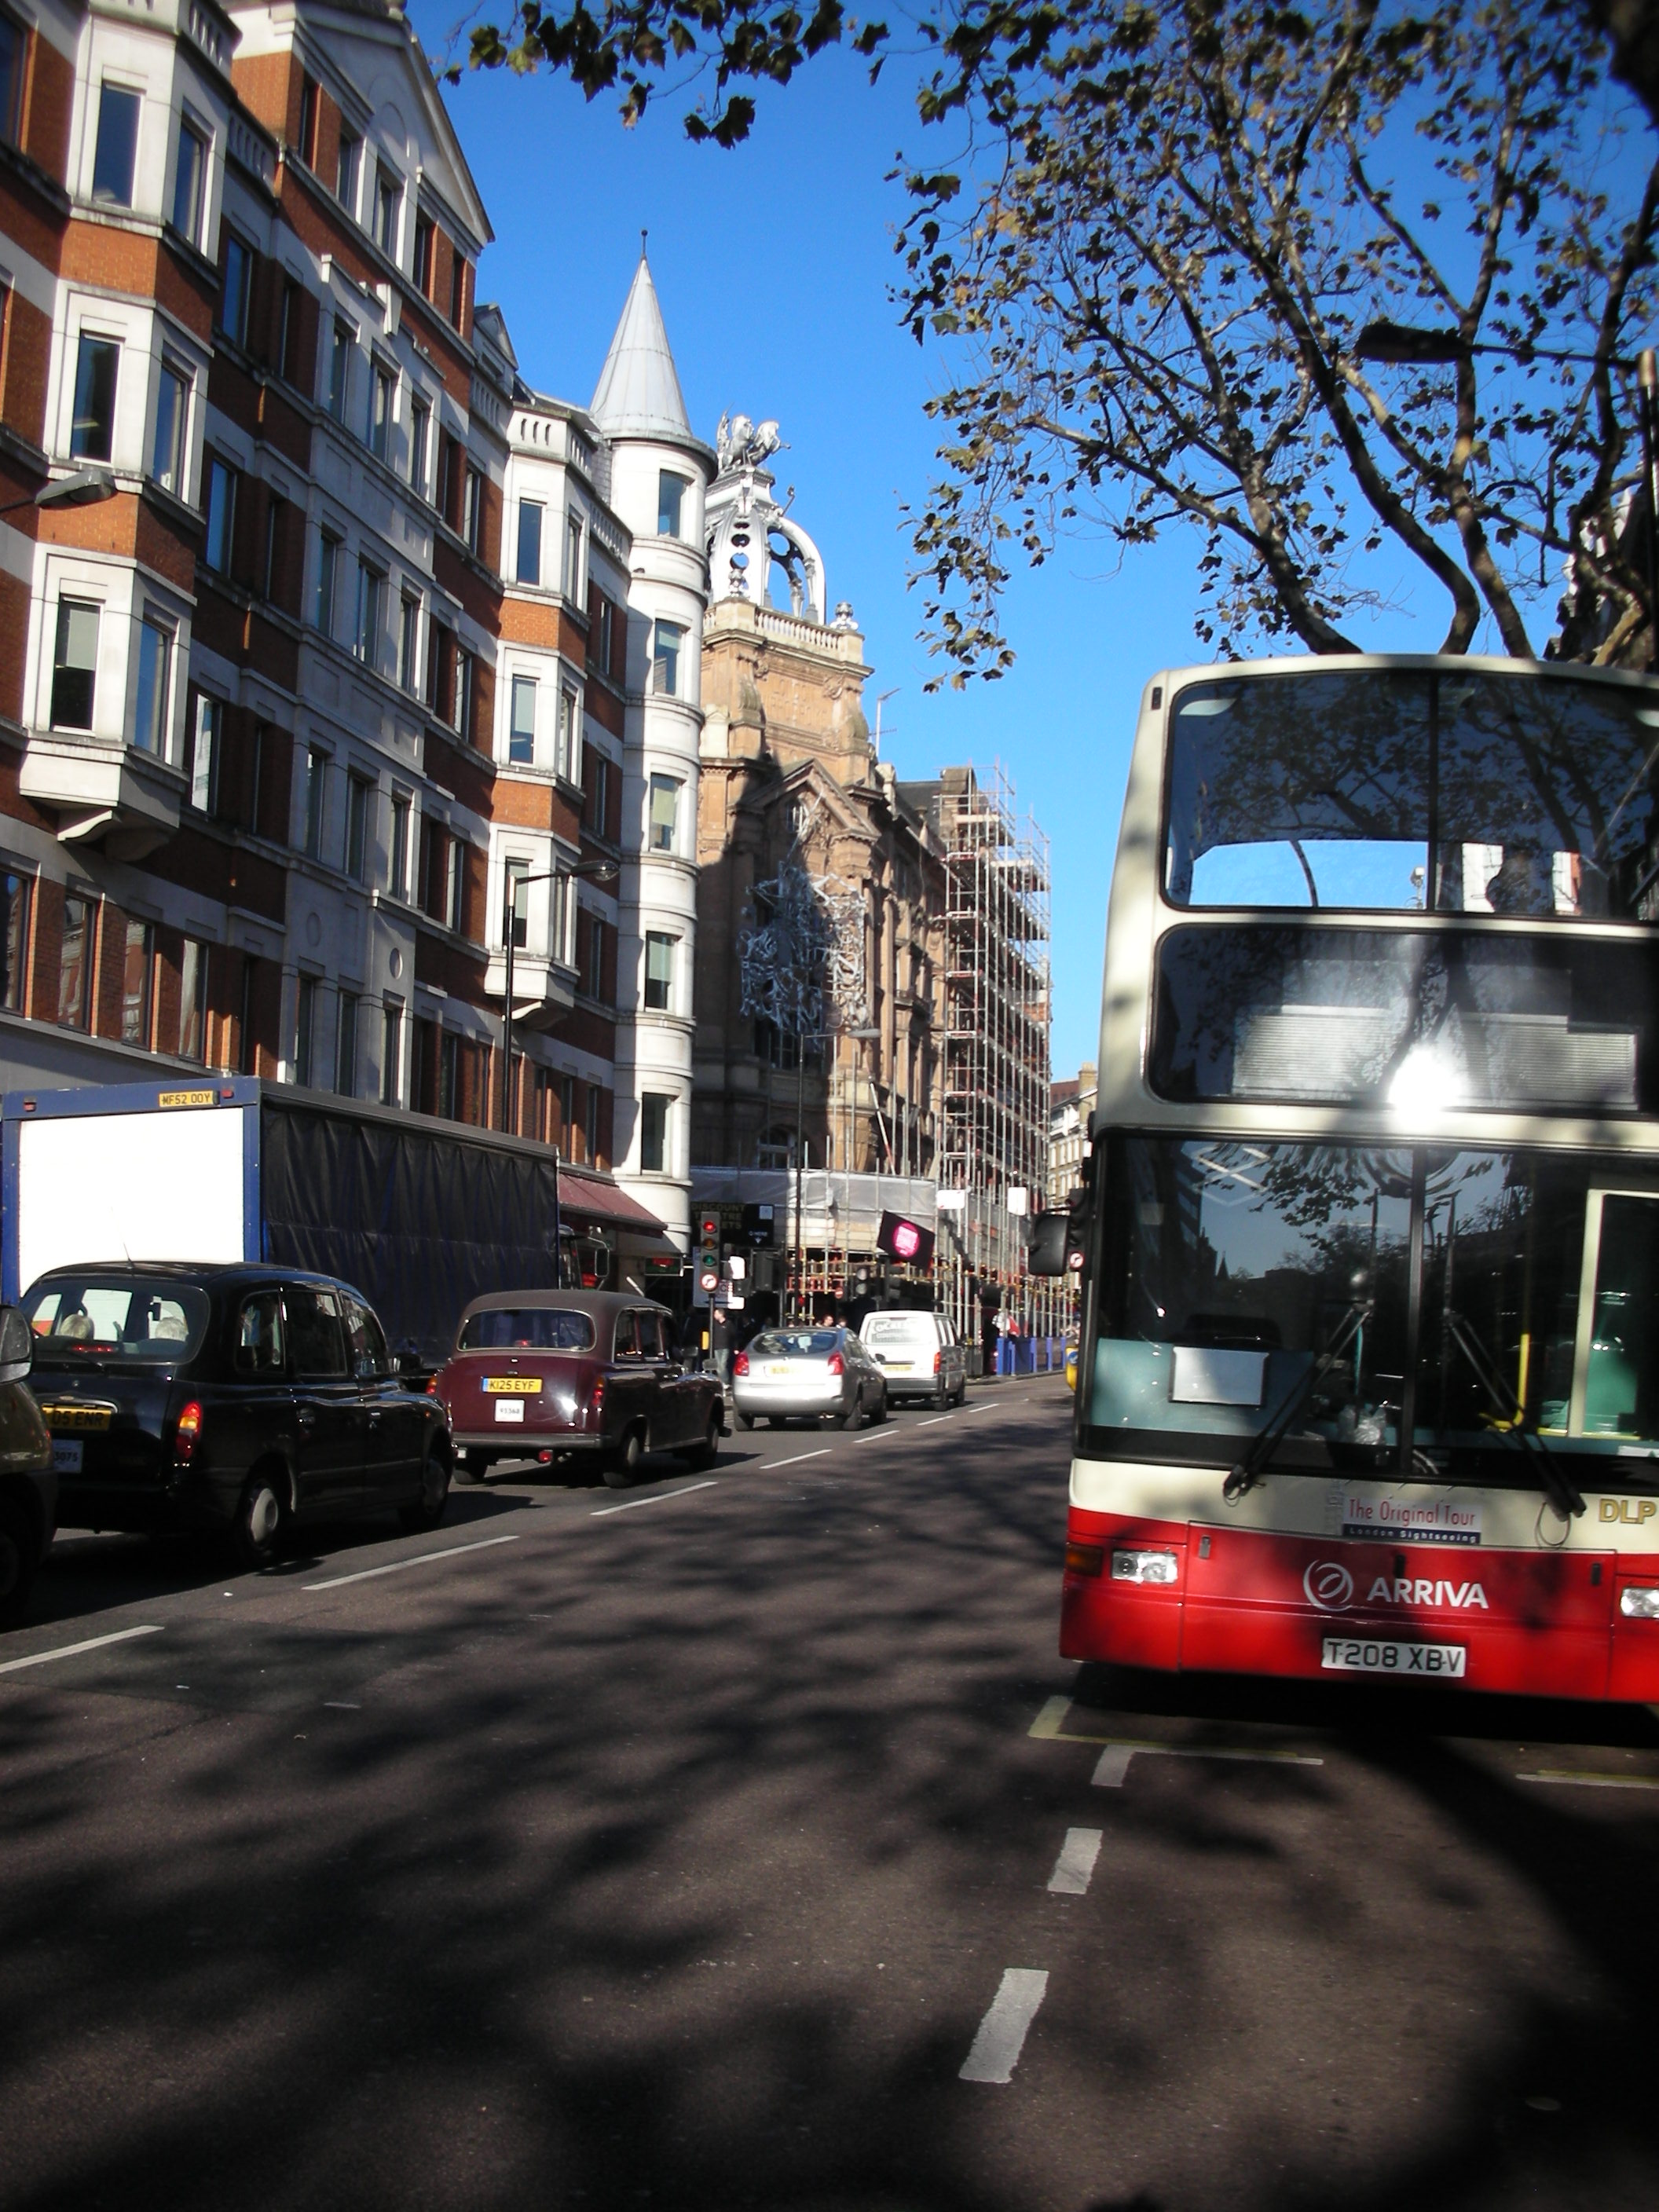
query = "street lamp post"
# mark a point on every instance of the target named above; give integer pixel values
(80, 487)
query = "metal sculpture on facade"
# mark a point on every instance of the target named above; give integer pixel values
(801, 955)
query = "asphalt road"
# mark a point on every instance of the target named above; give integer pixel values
(689, 1848)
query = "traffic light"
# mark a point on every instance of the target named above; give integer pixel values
(708, 1251)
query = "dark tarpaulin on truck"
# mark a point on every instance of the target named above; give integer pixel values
(365, 1201)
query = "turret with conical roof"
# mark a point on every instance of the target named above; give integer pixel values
(638, 393)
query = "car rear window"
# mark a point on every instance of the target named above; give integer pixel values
(886, 1328)
(135, 1319)
(796, 1343)
(527, 1329)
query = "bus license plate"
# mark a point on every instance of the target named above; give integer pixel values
(1378, 1655)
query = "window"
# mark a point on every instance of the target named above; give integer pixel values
(593, 972)
(172, 417)
(515, 905)
(407, 645)
(665, 813)
(607, 635)
(205, 755)
(671, 496)
(316, 786)
(371, 592)
(345, 1047)
(339, 369)
(260, 1348)
(567, 1109)
(419, 415)
(391, 1055)
(458, 289)
(310, 111)
(93, 430)
(530, 541)
(382, 391)
(137, 965)
(327, 568)
(305, 1024)
(288, 330)
(659, 970)
(565, 762)
(388, 200)
(73, 963)
(424, 239)
(472, 509)
(601, 789)
(449, 1075)
(455, 884)
(117, 153)
(665, 660)
(359, 792)
(398, 871)
(653, 1133)
(15, 891)
(316, 1338)
(276, 511)
(188, 179)
(252, 776)
(351, 168)
(14, 55)
(464, 671)
(221, 515)
(74, 665)
(561, 914)
(521, 739)
(149, 722)
(192, 1001)
(237, 281)
(573, 556)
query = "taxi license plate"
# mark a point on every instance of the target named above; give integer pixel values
(510, 1409)
(777, 1367)
(67, 1453)
(1382, 1654)
(514, 1386)
(77, 1416)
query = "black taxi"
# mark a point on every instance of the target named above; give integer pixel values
(239, 1399)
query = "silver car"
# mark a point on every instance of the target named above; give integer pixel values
(805, 1373)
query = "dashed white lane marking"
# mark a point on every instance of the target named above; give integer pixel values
(68, 1650)
(1594, 1781)
(1114, 1762)
(933, 1420)
(402, 1566)
(823, 1452)
(1076, 1862)
(660, 1498)
(1003, 2030)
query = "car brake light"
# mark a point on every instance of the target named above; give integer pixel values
(596, 1401)
(740, 1364)
(185, 1435)
(936, 1363)
(432, 1386)
(833, 1363)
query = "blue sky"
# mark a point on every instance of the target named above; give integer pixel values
(772, 263)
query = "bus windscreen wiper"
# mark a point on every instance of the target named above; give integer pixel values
(1555, 1482)
(1266, 1441)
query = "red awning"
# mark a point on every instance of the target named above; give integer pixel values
(585, 1198)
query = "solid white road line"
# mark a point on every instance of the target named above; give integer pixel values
(660, 1498)
(767, 1466)
(402, 1566)
(1003, 2030)
(68, 1650)
(1594, 1780)
(1114, 1764)
(1076, 1862)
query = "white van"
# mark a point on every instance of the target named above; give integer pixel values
(918, 1354)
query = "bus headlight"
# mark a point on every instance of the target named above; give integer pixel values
(1638, 1604)
(1149, 1567)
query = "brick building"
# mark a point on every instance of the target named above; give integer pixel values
(345, 651)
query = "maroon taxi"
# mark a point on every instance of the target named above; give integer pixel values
(540, 1374)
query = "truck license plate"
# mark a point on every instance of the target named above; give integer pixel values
(1378, 1655)
(66, 1455)
(509, 1409)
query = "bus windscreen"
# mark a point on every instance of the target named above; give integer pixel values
(1388, 791)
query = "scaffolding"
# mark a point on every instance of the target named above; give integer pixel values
(994, 1079)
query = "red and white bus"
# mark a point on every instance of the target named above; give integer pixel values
(1369, 1380)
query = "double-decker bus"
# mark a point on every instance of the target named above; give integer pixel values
(1369, 1380)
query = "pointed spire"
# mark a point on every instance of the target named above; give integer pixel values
(638, 393)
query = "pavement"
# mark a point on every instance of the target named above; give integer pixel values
(739, 1840)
